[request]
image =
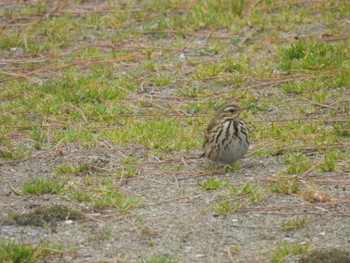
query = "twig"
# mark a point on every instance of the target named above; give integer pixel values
(153, 180)
(166, 201)
(248, 36)
(230, 256)
(138, 232)
(319, 104)
(17, 75)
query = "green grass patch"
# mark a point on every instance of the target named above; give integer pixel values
(316, 56)
(237, 198)
(211, 184)
(43, 186)
(209, 13)
(226, 207)
(88, 81)
(285, 184)
(163, 134)
(331, 158)
(11, 251)
(72, 169)
(288, 249)
(102, 193)
(297, 163)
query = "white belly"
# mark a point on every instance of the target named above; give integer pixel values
(232, 152)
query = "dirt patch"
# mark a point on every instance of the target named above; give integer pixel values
(176, 219)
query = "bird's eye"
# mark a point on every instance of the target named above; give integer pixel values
(232, 110)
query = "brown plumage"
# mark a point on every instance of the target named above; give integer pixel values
(227, 137)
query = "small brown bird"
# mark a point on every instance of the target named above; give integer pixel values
(227, 137)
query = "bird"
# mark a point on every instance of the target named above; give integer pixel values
(227, 137)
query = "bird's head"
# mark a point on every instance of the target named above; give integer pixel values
(230, 111)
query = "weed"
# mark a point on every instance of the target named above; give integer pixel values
(191, 92)
(255, 192)
(10, 251)
(104, 194)
(236, 198)
(285, 184)
(233, 190)
(287, 249)
(14, 152)
(163, 134)
(292, 88)
(330, 159)
(209, 70)
(233, 66)
(81, 196)
(293, 224)
(128, 203)
(297, 163)
(211, 184)
(129, 160)
(39, 137)
(127, 171)
(342, 129)
(215, 14)
(235, 249)
(227, 207)
(43, 186)
(71, 169)
(192, 108)
(313, 56)
(236, 167)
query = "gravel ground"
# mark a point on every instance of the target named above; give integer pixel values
(176, 219)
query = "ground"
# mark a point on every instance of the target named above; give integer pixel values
(103, 111)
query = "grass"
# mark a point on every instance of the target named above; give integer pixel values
(86, 95)
(211, 184)
(314, 56)
(102, 194)
(11, 251)
(290, 225)
(71, 169)
(43, 186)
(297, 163)
(289, 249)
(286, 184)
(237, 198)
(149, 74)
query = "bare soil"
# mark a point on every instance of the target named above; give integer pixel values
(176, 219)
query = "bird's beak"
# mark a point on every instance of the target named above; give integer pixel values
(242, 109)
